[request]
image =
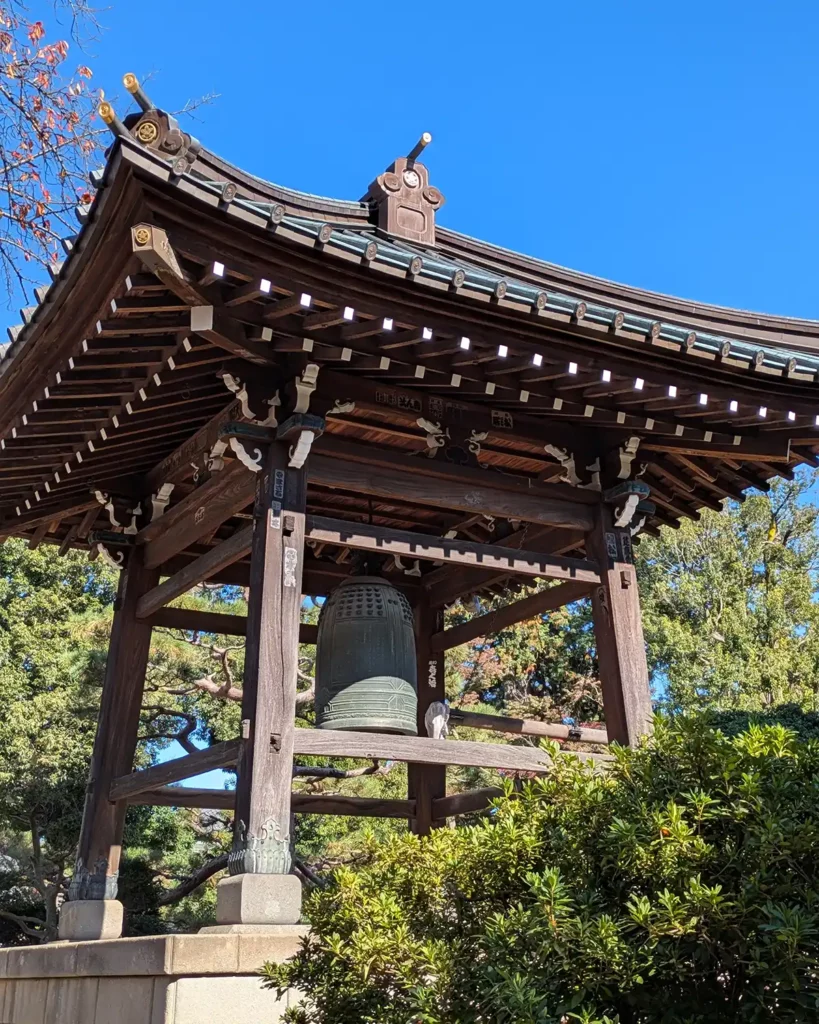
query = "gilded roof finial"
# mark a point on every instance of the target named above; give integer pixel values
(131, 83)
(106, 112)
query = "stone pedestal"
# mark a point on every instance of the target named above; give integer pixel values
(164, 979)
(258, 900)
(82, 920)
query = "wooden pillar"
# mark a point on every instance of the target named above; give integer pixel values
(618, 630)
(427, 782)
(98, 855)
(261, 841)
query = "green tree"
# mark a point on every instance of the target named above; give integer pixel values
(730, 603)
(679, 887)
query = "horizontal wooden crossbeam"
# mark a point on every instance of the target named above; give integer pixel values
(486, 493)
(202, 568)
(415, 545)
(217, 622)
(220, 755)
(422, 750)
(464, 803)
(340, 743)
(508, 615)
(300, 803)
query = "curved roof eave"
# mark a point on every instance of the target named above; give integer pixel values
(754, 327)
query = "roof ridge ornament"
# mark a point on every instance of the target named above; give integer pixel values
(153, 128)
(405, 201)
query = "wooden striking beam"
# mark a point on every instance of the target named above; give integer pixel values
(422, 750)
(363, 537)
(300, 803)
(508, 615)
(465, 803)
(220, 755)
(197, 515)
(524, 727)
(217, 622)
(202, 568)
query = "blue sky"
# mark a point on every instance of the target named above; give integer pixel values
(665, 145)
(670, 146)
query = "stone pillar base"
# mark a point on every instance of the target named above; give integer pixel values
(163, 979)
(258, 900)
(81, 920)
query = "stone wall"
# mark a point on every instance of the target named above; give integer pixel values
(163, 979)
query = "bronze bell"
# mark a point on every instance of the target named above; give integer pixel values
(365, 659)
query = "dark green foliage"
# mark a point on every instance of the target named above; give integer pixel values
(805, 724)
(680, 887)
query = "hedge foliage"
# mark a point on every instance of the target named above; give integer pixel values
(680, 887)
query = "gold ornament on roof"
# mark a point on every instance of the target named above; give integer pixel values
(142, 236)
(130, 81)
(147, 132)
(106, 111)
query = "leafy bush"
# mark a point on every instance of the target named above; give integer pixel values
(680, 886)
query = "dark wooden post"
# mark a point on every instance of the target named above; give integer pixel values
(427, 782)
(261, 842)
(98, 855)
(618, 629)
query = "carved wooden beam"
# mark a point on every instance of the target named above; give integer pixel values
(197, 515)
(177, 465)
(202, 568)
(153, 247)
(151, 244)
(220, 755)
(363, 537)
(450, 473)
(483, 493)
